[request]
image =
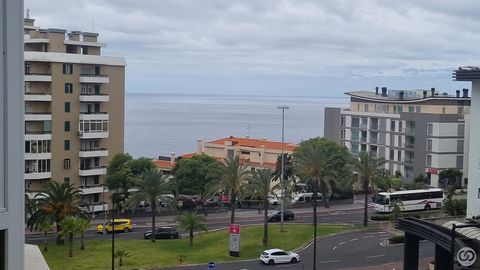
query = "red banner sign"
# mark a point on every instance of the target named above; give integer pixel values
(235, 228)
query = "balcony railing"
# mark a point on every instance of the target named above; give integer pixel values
(373, 140)
(409, 161)
(34, 132)
(409, 130)
(409, 145)
(363, 126)
(363, 139)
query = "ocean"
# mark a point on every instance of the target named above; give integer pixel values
(158, 123)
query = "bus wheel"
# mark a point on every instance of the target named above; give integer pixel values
(428, 207)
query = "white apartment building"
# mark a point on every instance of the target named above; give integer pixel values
(11, 136)
(415, 131)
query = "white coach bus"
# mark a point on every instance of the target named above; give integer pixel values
(409, 200)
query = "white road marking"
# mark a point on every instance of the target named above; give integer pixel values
(375, 256)
(369, 236)
(354, 239)
(332, 261)
(335, 247)
(341, 243)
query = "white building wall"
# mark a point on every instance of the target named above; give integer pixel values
(445, 129)
(473, 195)
(11, 136)
(444, 144)
(444, 161)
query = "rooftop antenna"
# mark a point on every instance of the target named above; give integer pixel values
(28, 13)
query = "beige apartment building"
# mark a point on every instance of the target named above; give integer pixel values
(74, 110)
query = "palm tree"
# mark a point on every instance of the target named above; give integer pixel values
(69, 227)
(121, 253)
(83, 225)
(60, 200)
(191, 222)
(262, 187)
(149, 187)
(317, 163)
(30, 205)
(232, 176)
(44, 227)
(368, 169)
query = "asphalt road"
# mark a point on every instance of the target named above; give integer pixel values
(342, 251)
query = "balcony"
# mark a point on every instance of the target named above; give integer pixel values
(38, 77)
(91, 189)
(92, 171)
(409, 130)
(38, 116)
(363, 139)
(409, 161)
(38, 135)
(92, 78)
(363, 126)
(32, 175)
(101, 152)
(373, 140)
(95, 207)
(93, 116)
(38, 97)
(94, 97)
(35, 156)
(93, 134)
(409, 145)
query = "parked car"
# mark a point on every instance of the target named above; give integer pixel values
(162, 233)
(120, 225)
(277, 216)
(275, 255)
(273, 200)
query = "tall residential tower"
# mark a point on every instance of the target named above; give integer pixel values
(74, 110)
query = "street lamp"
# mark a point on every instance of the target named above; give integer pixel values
(282, 184)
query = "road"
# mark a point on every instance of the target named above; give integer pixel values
(342, 251)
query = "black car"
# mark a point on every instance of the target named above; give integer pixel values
(277, 216)
(162, 233)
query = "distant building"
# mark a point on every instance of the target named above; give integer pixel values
(255, 153)
(74, 110)
(12, 228)
(415, 131)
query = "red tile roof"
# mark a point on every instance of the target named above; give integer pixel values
(255, 143)
(165, 164)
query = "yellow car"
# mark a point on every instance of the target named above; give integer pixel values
(120, 225)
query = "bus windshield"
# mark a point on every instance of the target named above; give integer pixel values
(381, 199)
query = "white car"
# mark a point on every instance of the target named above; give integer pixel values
(275, 255)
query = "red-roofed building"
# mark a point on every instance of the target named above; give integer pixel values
(257, 153)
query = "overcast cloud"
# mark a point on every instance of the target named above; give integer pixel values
(277, 47)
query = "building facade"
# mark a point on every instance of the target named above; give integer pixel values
(74, 110)
(11, 136)
(415, 131)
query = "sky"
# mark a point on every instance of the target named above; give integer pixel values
(277, 47)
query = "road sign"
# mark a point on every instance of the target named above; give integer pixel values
(466, 256)
(211, 265)
(234, 240)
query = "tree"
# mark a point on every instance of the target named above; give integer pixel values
(30, 205)
(69, 227)
(140, 165)
(57, 202)
(44, 227)
(369, 171)
(232, 176)
(149, 187)
(193, 174)
(191, 222)
(120, 254)
(318, 160)
(421, 181)
(450, 177)
(262, 186)
(83, 225)
(120, 176)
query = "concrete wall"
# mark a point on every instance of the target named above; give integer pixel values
(11, 136)
(331, 124)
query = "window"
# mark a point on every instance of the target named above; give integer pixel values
(67, 106)
(444, 110)
(354, 148)
(429, 145)
(355, 135)
(342, 121)
(459, 162)
(68, 88)
(418, 109)
(66, 145)
(67, 69)
(430, 129)
(66, 126)
(392, 125)
(392, 154)
(429, 161)
(460, 145)
(461, 130)
(342, 134)
(66, 163)
(355, 122)
(66, 180)
(411, 109)
(366, 107)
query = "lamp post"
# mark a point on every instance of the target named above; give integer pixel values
(282, 184)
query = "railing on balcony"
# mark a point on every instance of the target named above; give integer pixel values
(374, 140)
(409, 130)
(34, 132)
(93, 75)
(409, 161)
(39, 73)
(93, 112)
(409, 145)
(374, 127)
(363, 139)
(92, 149)
(363, 126)
(85, 168)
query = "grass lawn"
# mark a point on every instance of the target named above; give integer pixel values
(212, 246)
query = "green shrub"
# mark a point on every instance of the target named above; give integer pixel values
(398, 239)
(456, 207)
(380, 217)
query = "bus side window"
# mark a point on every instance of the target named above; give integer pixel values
(387, 201)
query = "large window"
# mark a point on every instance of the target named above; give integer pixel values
(430, 129)
(93, 126)
(67, 69)
(36, 147)
(429, 161)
